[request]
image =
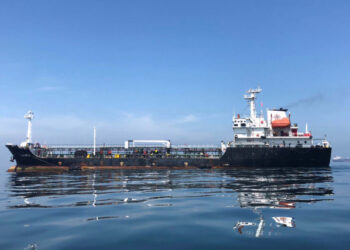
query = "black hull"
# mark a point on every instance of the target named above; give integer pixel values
(277, 157)
(233, 157)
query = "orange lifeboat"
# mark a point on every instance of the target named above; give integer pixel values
(281, 123)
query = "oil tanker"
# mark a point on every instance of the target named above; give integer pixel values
(257, 142)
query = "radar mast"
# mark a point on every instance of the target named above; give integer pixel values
(29, 115)
(251, 99)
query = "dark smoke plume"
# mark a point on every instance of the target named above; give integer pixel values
(306, 101)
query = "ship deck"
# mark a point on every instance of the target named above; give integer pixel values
(119, 151)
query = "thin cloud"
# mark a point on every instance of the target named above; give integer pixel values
(187, 119)
(63, 129)
(50, 88)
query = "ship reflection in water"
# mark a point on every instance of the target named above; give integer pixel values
(277, 189)
(267, 196)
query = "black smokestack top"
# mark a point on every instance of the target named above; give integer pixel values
(306, 101)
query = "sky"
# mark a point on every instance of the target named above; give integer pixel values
(170, 69)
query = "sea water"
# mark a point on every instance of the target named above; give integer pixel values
(272, 208)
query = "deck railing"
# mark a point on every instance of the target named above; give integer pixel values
(119, 151)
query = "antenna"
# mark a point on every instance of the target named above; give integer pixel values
(306, 128)
(94, 140)
(29, 115)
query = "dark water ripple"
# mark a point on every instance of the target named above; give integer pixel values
(221, 208)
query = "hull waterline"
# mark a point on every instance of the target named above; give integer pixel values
(233, 157)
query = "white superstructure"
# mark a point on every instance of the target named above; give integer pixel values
(276, 130)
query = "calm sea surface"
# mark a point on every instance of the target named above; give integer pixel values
(177, 209)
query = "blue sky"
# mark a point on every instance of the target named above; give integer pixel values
(170, 69)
